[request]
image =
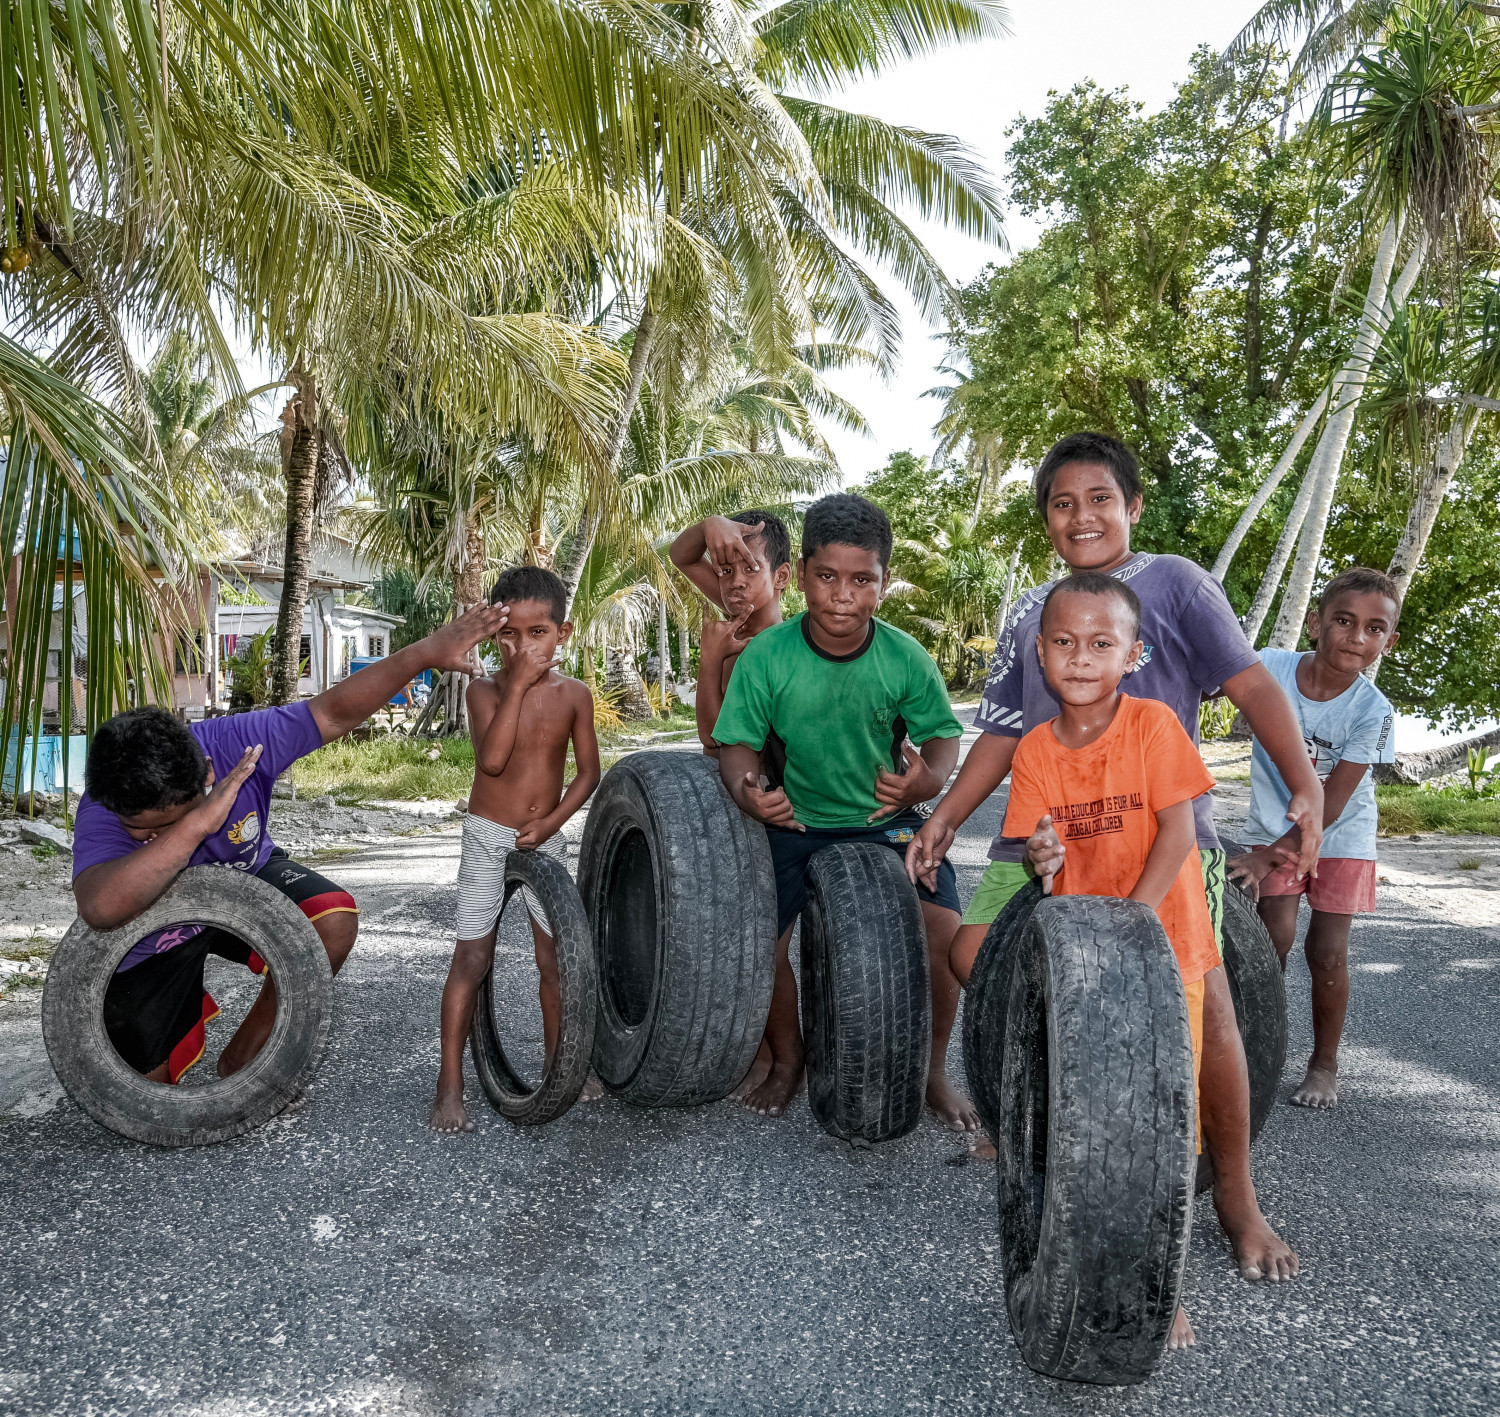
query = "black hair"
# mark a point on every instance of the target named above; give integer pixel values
(1097, 583)
(844, 519)
(532, 583)
(1362, 580)
(144, 760)
(1093, 448)
(775, 541)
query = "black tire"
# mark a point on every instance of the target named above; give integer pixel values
(1096, 1140)
(681, 897)
(984, 1048)
(578, 980)
(866, 996)
(1259, 992)
(99, 1080)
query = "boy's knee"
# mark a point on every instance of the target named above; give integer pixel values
(338, 931)
(1327, 956)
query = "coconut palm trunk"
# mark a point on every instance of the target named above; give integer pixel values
(1432, 487)
(663, 650)
(300, 449)
(1328, 458)
(1264, 492)
(1008, 598)
(571, 565)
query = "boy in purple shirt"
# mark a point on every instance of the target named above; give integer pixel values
(161, 796)
(1089, 491)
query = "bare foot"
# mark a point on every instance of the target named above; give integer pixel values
(775, 1094)
(1319, 1088)
(760, 1070)
(449, 1115)
(1261, 1253)
(982, 1147)
(593, 1089)
(1182, 1335)
(953, 1108)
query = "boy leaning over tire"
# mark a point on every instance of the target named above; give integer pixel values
(814, 743)
(741, 564)
(161, 795)
(1346, 724)
(1088, 491)
(1105, 790)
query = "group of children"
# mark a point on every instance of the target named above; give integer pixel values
(835, 726)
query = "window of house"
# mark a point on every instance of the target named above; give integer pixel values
(304, 657)
(187, 653)
(377, 646)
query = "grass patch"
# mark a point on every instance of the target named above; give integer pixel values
(29, 949)
(44, 851)
(397, 769)
(1470, 863)
(1404, 810)
(330, 853)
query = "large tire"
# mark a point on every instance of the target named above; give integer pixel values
(984, 1048)
(1259, 993)
(98, 1079)
(681, 896)
(1096, 1140)
(563, 1078)
(866, 997)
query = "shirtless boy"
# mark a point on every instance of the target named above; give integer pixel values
(521, 721)
(1346, 724)
(742, 565)
(1106, 746)
(814, 743)
(1088, 491)
(162, 795)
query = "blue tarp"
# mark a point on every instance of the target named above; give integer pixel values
(48, 754)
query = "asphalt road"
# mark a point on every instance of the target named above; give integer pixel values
(345, 1260)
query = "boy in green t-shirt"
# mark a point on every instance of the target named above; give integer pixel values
(814, 743)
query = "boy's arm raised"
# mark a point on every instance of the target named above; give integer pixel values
(586, 759)
(720, 540)
(350, 702)
(717, 642)
(1176, 835)
(1269, 713)
(525, 668)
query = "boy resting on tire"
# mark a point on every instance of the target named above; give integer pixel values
(1105, 790)
(1346, 724)
(1088, 491)
(742, 565)
(814, 743)
(161, 795)
(521, 722)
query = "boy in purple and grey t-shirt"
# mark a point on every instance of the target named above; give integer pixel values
(1088, 490)
(161, 796)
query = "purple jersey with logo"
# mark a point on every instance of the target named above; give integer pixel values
(243, 842)
(1193, 643)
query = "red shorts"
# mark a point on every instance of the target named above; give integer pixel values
(1343, 886)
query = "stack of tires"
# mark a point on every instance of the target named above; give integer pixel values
(1079, 1061)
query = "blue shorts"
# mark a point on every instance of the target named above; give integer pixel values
(791, 851)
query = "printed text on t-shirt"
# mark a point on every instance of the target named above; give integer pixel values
(1098, 817)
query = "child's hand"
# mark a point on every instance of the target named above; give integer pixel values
(1249, 870)
(1045, 851)
(927, 850)
(1309, 818)
(528, 665)
(769, 806)
(722, 638)
(897, 791)
(535, 832)
(452, 646)
(211, 814)
(727, 542)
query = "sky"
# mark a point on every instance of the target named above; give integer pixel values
(975, 93)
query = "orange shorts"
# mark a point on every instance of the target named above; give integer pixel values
(1343, 885)
(1194, 992)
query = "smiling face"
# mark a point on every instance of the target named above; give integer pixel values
(1088, 517)
(844, 586)
(1086, 646)
(1353, 630)
(743, 591)
(531, 622)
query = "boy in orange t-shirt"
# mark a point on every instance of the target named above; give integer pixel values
(1108, 786)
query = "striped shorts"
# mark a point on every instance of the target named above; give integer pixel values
(481, 876)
